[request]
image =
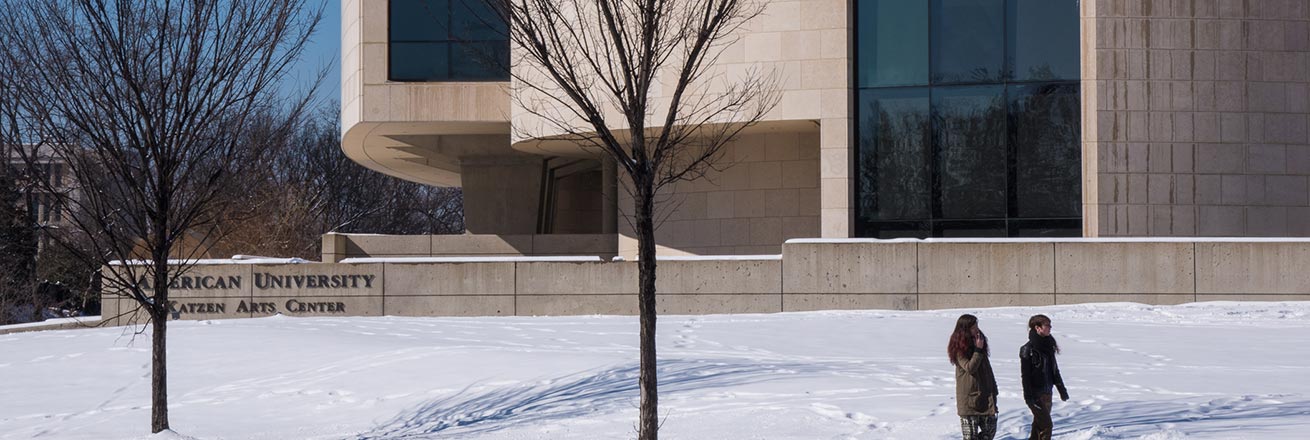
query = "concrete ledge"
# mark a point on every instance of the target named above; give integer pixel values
(576, 278)
(472, 244)
(450, 279)
(450, 305)
(810, 275)
(1253, 267)
(54, 324)
(986, 268)
(288, 280)
(319, 306)
(1124, 268)
(1156, 299)
(199, 307)
(934, 301)
(711, 304)
(849, 268)
(844, 301)
(1252, 297)
(394, 245)
(719, 276)
(550, 305)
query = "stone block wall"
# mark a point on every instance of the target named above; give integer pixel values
(1195, 117)
(765, 190)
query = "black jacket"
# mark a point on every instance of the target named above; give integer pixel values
(1039, 369)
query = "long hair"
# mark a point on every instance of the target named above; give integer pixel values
(961, 342)
(1037, 320)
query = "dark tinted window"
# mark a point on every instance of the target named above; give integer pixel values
(1046, 147)
(893, 43)
(446, 40)
(969, 139)
(1037, 39)
(968, 41)
(967, 118)
(895, 182)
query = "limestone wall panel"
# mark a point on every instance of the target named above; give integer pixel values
(450, 305)
(1255, 268)
(849, 268)
(492, 278)
(564, 305)
(702, 304)
(1125, 267)
(316, 279)
(719, 276)
(802, 302)
(575, 278)
(986, 268)
(936, 301)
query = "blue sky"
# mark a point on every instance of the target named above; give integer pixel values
(324, 50)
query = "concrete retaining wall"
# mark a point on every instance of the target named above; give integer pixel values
(809, 275)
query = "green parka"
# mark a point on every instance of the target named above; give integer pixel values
(975, 385)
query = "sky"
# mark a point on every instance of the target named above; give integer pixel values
(324, 50)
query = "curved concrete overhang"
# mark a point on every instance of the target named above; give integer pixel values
(424, 152)
(573, 147)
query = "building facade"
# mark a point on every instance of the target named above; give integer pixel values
(897, 118)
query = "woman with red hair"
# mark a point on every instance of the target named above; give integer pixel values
(975, 385)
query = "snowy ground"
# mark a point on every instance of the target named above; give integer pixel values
(1200, 371)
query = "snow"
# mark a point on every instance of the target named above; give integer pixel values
(469, 259)
(236, 259)
(1054, 240)
(1221, 370)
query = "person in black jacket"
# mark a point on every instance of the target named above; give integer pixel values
(1040, 372)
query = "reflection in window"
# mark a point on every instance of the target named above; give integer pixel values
(969, 141)
(894, 146)
(1046, 149)
(446, 40)
(967, 127)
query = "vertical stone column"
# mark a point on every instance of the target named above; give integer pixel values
(609, 170)
(831, 19)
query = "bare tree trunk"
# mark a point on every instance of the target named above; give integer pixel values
(159, 369)
(649, 417)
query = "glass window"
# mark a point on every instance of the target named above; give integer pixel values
(476, 20)
(420, 61)
(895, 182)
(420, 20)
(969, 139)
(1042, 39)
(446, 40)
(968, 41)
(969, 228)
(479, 60)
(1048, 171)
(893, 43)
(967, 118)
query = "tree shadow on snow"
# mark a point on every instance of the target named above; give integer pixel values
(1134, 419)
(469, 412)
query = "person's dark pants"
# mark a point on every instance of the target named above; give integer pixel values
(1041, 418)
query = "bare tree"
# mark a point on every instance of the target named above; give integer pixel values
(145, 102)
(310, 188)
(636, 80)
